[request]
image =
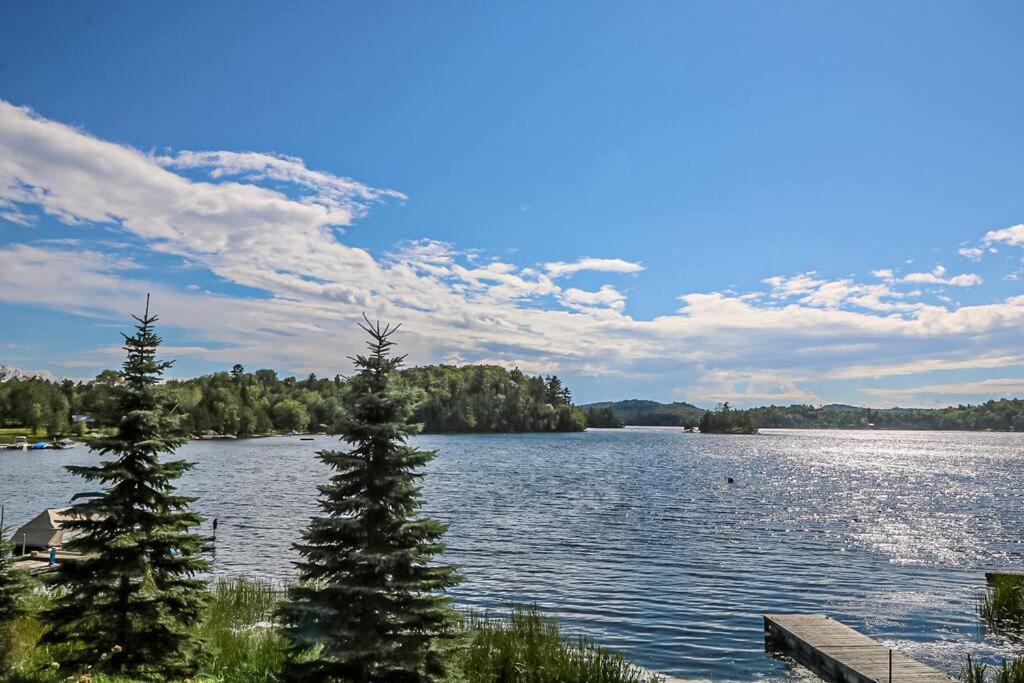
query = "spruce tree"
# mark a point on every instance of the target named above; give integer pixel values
(370, 605)
(14, 585)
(130, 603)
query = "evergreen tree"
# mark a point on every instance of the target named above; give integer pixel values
(129, 604)
(369, 606)
(13, 588)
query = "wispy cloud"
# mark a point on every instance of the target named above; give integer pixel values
(605, 265)
(989, 388)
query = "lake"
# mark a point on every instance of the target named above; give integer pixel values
(633, 536)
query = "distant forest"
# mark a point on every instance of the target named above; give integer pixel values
(471, 398)
(1002, 415)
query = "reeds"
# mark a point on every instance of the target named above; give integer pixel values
(239, 631)
(1011, 671)
(1001, 606)
(528, 647)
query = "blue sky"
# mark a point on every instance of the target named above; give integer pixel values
(756, 202)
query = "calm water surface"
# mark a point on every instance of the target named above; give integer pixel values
(634, 538)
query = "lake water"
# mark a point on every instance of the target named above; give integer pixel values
(633, 536)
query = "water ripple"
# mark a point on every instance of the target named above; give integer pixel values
(633, 537)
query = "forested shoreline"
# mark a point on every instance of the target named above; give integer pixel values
(1004, 415)
(453, 399)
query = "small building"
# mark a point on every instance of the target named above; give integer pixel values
(44, 531)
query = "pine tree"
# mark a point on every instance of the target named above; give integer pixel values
(14, 586)
(369, 607)
(129, 604)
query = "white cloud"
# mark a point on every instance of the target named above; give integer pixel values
(269, 223)
(1013, 235)
(605, 296)
(972, 253)
(938, 277)
(557, 269)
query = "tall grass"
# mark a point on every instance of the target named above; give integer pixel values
(1011, 671)
(1001, 606)
(240, 634)
(244, 646)
(528, 647)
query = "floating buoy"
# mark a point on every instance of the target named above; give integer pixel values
(729, 479)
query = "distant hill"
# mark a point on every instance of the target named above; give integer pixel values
(1002, 415)
(651, 413)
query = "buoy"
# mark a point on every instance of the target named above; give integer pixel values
(729, 479)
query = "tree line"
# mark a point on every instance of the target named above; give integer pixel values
(471, 398)
(725, 420)
(1003, 415)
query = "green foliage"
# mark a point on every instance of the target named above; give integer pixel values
(602, 416)
(488, 398)
(527, 647)
(1001, 606)
(244, 645)
(1009, 671)
(973, 672)
(725, 420)
(651, 413)
(126, 608)
(14, 588)
(370, 606)
(239, 631)
(471, 398)
(290, 414)
(1002, 415)
(34, 403)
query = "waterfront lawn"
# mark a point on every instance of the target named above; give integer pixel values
(244, 647)
(8, 434)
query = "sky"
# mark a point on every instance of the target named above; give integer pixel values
(785, 202)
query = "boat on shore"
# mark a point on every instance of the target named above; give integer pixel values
(21, 443)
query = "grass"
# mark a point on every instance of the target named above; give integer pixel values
(244, 647)
(1011, 671)
(8, 434)
(241, 643)
(1001, 606)
(528, 647)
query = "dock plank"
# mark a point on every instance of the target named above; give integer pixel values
(837, 652)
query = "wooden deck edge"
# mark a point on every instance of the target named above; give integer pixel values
(821, 663)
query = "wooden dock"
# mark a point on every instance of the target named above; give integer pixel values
(836, 652)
